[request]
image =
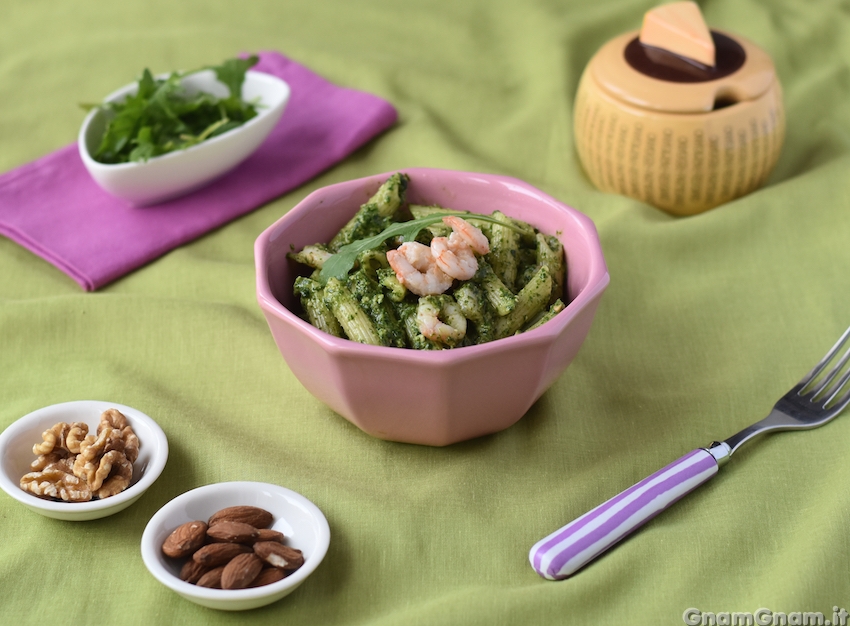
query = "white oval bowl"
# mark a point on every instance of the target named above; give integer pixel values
(176, 173)
(301, 522)
(17, 440)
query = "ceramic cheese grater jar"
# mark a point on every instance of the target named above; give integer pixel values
(678, 116)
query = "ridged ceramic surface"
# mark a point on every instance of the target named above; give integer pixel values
(682, 163)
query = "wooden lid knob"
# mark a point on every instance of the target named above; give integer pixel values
(679, 28)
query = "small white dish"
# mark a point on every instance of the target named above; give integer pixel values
(301, 522)
(16, 443)
(174, 174)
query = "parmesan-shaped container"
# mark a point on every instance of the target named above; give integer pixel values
(674, 130)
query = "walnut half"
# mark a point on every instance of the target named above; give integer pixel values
(75, 466)
(54, 482)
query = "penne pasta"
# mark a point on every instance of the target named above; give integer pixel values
(313, 255)
(318, 312)
(529, 303)
(441, 280)
(375, 215)
(504, 248)
(498, 295)
(550, 252)
(353, 319)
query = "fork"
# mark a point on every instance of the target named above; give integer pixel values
(810, 403)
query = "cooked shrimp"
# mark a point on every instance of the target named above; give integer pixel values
(441, 320)
(472, 235)
(454, 256)
(415, 268)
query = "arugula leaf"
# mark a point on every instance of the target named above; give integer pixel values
(145, 147)
(119, 132)
(232, 73)
(147, 84)
(338, 265)
(161, 117)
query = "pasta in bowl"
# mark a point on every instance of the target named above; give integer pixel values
(464, 387)
(427, 277)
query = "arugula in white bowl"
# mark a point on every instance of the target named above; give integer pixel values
(162, 116)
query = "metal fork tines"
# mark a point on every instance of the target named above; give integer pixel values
(812, 402)
(816, 399)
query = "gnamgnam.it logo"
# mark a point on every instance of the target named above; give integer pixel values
(765, 617)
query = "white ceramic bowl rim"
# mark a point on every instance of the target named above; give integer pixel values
(597, 281)
(262, 112)
(152, 471)
(188, 589)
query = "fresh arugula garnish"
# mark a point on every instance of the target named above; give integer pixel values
(339, 264)
(161, 117)
(232, 73)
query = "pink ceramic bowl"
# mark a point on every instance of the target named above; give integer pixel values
(430, 397)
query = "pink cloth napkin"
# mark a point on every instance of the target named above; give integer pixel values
(53, 208)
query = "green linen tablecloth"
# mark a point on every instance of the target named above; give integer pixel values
(706, 322)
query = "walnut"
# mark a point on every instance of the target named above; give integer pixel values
(118, 475)
(52, 439)
(75, 466)
(75, 436)
(65, 464)
(113, 418)
(56, 482)
(59, 443)
(107, 474)
(113, 433)
(96, 471)
(131, 444)
(50, 458)
(93, 447)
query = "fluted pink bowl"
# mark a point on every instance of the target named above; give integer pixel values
(430, 397)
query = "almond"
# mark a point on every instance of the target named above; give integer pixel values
(185, 539)
(268, 576)
(267, 534)
(215, 554)
(253, 515)
(212, 578)
(192, 571)
(241, 571)
(279, 555)
(232, 532)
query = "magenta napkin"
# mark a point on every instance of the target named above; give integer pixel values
(53, 208)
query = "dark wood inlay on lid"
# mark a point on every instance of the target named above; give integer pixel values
(663, 65)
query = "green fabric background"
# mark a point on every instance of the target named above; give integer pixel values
(706, 322)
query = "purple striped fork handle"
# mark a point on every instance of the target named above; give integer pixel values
(567, 550)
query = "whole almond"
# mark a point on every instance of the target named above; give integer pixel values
(192, 571)
(279, 555)
(212, 578)
(215, 554)
(253, 515)
(232, 532)
(185, 539)
(241, 571)
(268, 576)
(267, 534)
